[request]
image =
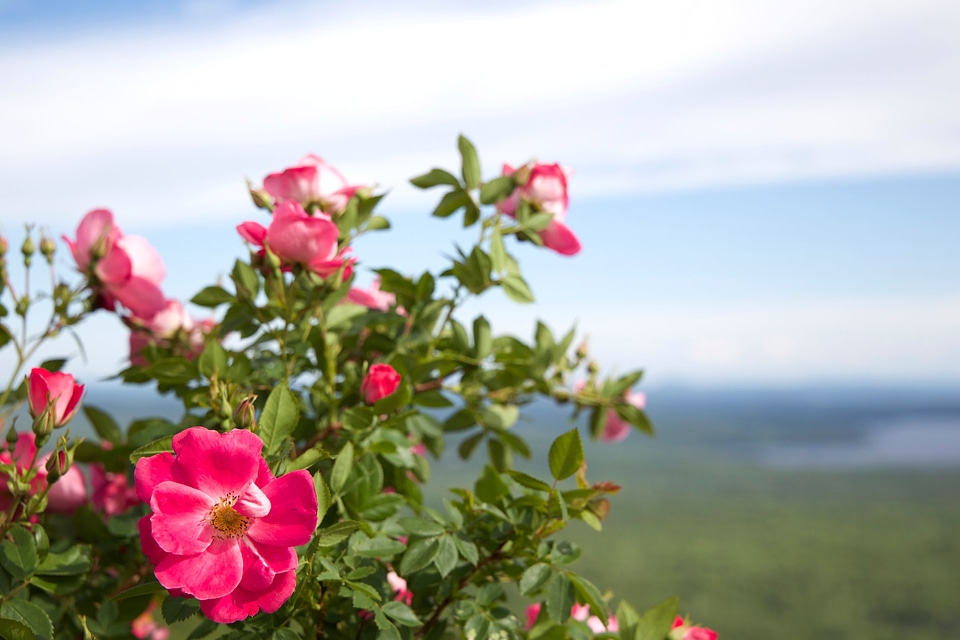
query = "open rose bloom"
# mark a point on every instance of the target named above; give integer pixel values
(546, 190)
(223, 527)
(312, 182)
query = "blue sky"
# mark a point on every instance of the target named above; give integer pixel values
(767, 193)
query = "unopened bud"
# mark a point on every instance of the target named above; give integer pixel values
(4, 245)
(27, 249)
(43, 425)
(57, 465)
(582, 349)
(245, 416)
(522, 174)
(12, 435)
(561, 395)
(48, 247)
(592, 368)
(271, 259)
(261, 199)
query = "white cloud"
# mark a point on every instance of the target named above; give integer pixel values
(164, 120)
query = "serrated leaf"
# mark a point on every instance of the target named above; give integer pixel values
(177, 609)
(19, 556)
(468, 550)
(379, 547)
(433, 178)
(588, 594)
(157, 446)
(205, 628)
(279, 418)
(566, 455)
(446, 558)
(498, 252)
(534, 577)
(145, 589)
(324, 498)
(451, 202)
(337, 533)
(528, 481)
(105, 426)
(418, 555)
(341, 468)
(403, 614)
(471, 162)
(421, 526)
(15, 630)
(560, 598)
(29, 614)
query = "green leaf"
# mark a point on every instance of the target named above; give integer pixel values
(467, 446)
(213, 360)
(627, 618)
(500, 416)
(560, 598)
(460, 420)
(376, 223)
(566, 455)
(657, 621)
(418, 555)
(401, 613)
(588, 594)
(335, 534)
(528, 481)
(285, 634)
(341, 467)
(471, 162)
(386, 629)
(446, 558)
(634, 416)
(534, 577)
(202, 630)
(15, 630)
(157, 446)
(105, 426)
(498, 253)
(516, 288)
(433, 178)
(421, 526)
(490, 487)
(29, 614)
(246, 280)
(482, 342)
(468, 550)
(497, 189)
(279, 418)
(145, 589)
(379, 547)
(451, 202)
(19, 556)
(177, 609)
(212, 297)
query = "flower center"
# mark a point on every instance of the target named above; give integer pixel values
(225, 519)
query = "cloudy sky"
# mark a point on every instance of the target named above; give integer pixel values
(767, 192)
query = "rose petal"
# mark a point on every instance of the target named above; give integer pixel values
(179, 521)
(560, 238)
(293, 516)
(211, 574)
(150, 472)
(218, 464)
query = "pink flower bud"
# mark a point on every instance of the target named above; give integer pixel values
(53, 395)
(381, 381)
(544, 187)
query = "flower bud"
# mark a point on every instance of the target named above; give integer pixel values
(57, 465)
(261, 199)
(12, 436)
(593, 368)
(28, 249)
(245, 416)
(271, 259)
(47, 247)
(582, 349)
(4, 245)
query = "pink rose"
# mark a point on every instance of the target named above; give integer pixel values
(380, 382)
(170, 323)
(55, 395)
(127, 269)
(399, 586)
(298, 238)
(222, 527)
(546, 190)
(21, 458)
(533, 611)
(68, 492)
(311, 182)
(372, 298)
(690, 632)
(616, 428)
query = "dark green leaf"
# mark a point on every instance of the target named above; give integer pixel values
(376, 223)
(324, 499)
(246, 280)
(451, 202)
(401, 613)
(560, 598)
(421, 526)
(19, 556)
(587, 593)
(335, 534)
(528, 481)
(147, 588)
(379, 547)
(657, 621)
(566, 455)
(634, 416)
(497, 189)
(213, 360)
(29, 614)
(468, 550)
(490, 487)
(177, 609)
(467, 446)
(446, 558)
(341, 468)
(418, 555)
(15, 630)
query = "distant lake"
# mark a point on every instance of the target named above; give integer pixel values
(909, 441)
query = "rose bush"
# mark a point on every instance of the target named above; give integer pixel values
(288, 499)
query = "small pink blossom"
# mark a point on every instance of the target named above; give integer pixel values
(112, 493)
(546, 190)
(381, 381)
(223, 527)
(145, 626)
(616, 428)
(582, 613)
(372, 298)
(399, 586)
(533, 611)
(171, 327)
(312, 182)
(126, 268)
(55, 393)
(299, 238)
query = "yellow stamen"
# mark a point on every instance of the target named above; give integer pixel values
(225, 519)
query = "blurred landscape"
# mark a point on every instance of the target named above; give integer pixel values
(795, 513)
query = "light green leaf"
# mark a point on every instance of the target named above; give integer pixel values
(324, 499)
(279, 418)
(29, 614)
(212, 297)
(656, 622)
(534, 577)
(341, 467)
(471, 162)
(157, 446)
(446, 558)
(401, 613)
(433, 178)
(213, 359)
(528, 481)
(421, 526)
(418, 555)
(516, 288)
